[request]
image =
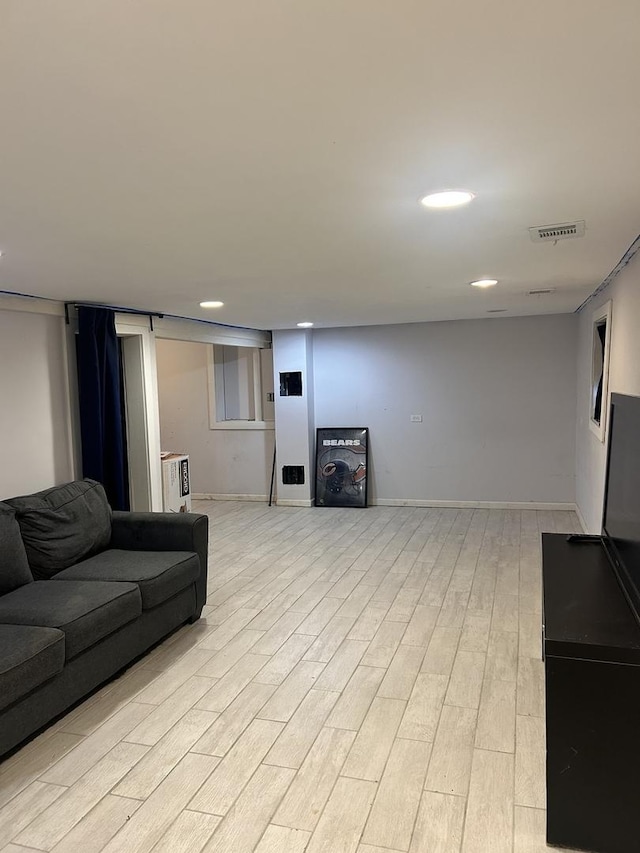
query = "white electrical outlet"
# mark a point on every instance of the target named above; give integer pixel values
(416, 419)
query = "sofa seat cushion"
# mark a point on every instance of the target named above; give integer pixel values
(86, 611)
(62, 525)
(159, 574)
(28, 657)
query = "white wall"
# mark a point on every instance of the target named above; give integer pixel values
(497, 398)
(624, 378)
(35, 421)
(295, 439)
(223, 462)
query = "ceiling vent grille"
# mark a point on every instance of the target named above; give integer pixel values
(541, 291)
(561, 231)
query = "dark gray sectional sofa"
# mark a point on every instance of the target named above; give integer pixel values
(84, 592)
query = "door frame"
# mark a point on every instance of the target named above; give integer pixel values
(142, 412)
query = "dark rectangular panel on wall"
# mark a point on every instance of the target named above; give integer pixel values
(293, 475)
(291, 384)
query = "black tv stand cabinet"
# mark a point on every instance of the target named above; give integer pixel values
(591, 649)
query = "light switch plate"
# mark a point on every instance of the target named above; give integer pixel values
(416, 419)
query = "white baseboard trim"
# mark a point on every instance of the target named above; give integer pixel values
(583, 523)
(206, 496)
(209, 497)
(411, 502)
(543, 505)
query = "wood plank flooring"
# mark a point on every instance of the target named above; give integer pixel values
(362, 681)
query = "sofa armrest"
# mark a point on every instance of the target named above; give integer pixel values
(165, 531)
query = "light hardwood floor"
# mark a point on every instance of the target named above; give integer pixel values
(362, 681)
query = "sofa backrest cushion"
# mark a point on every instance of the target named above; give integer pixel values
(14, 566)
(63, 525)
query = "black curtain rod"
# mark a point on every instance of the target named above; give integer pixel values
(27, 295)
(135, 311)
(116, 308)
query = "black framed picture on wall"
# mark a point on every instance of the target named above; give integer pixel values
(342, 461)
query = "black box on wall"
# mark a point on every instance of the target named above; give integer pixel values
(291, 384)
(293, 475)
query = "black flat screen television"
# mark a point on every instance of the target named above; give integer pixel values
(621, 518)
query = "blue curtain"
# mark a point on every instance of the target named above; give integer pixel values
(101, 412)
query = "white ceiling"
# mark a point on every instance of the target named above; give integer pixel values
(270, 153)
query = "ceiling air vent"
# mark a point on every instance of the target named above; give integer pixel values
(541, 291)
(561, 231)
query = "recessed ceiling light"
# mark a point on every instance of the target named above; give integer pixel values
(305, 325)
(447, 198)
(484, 282)
(212, 304)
